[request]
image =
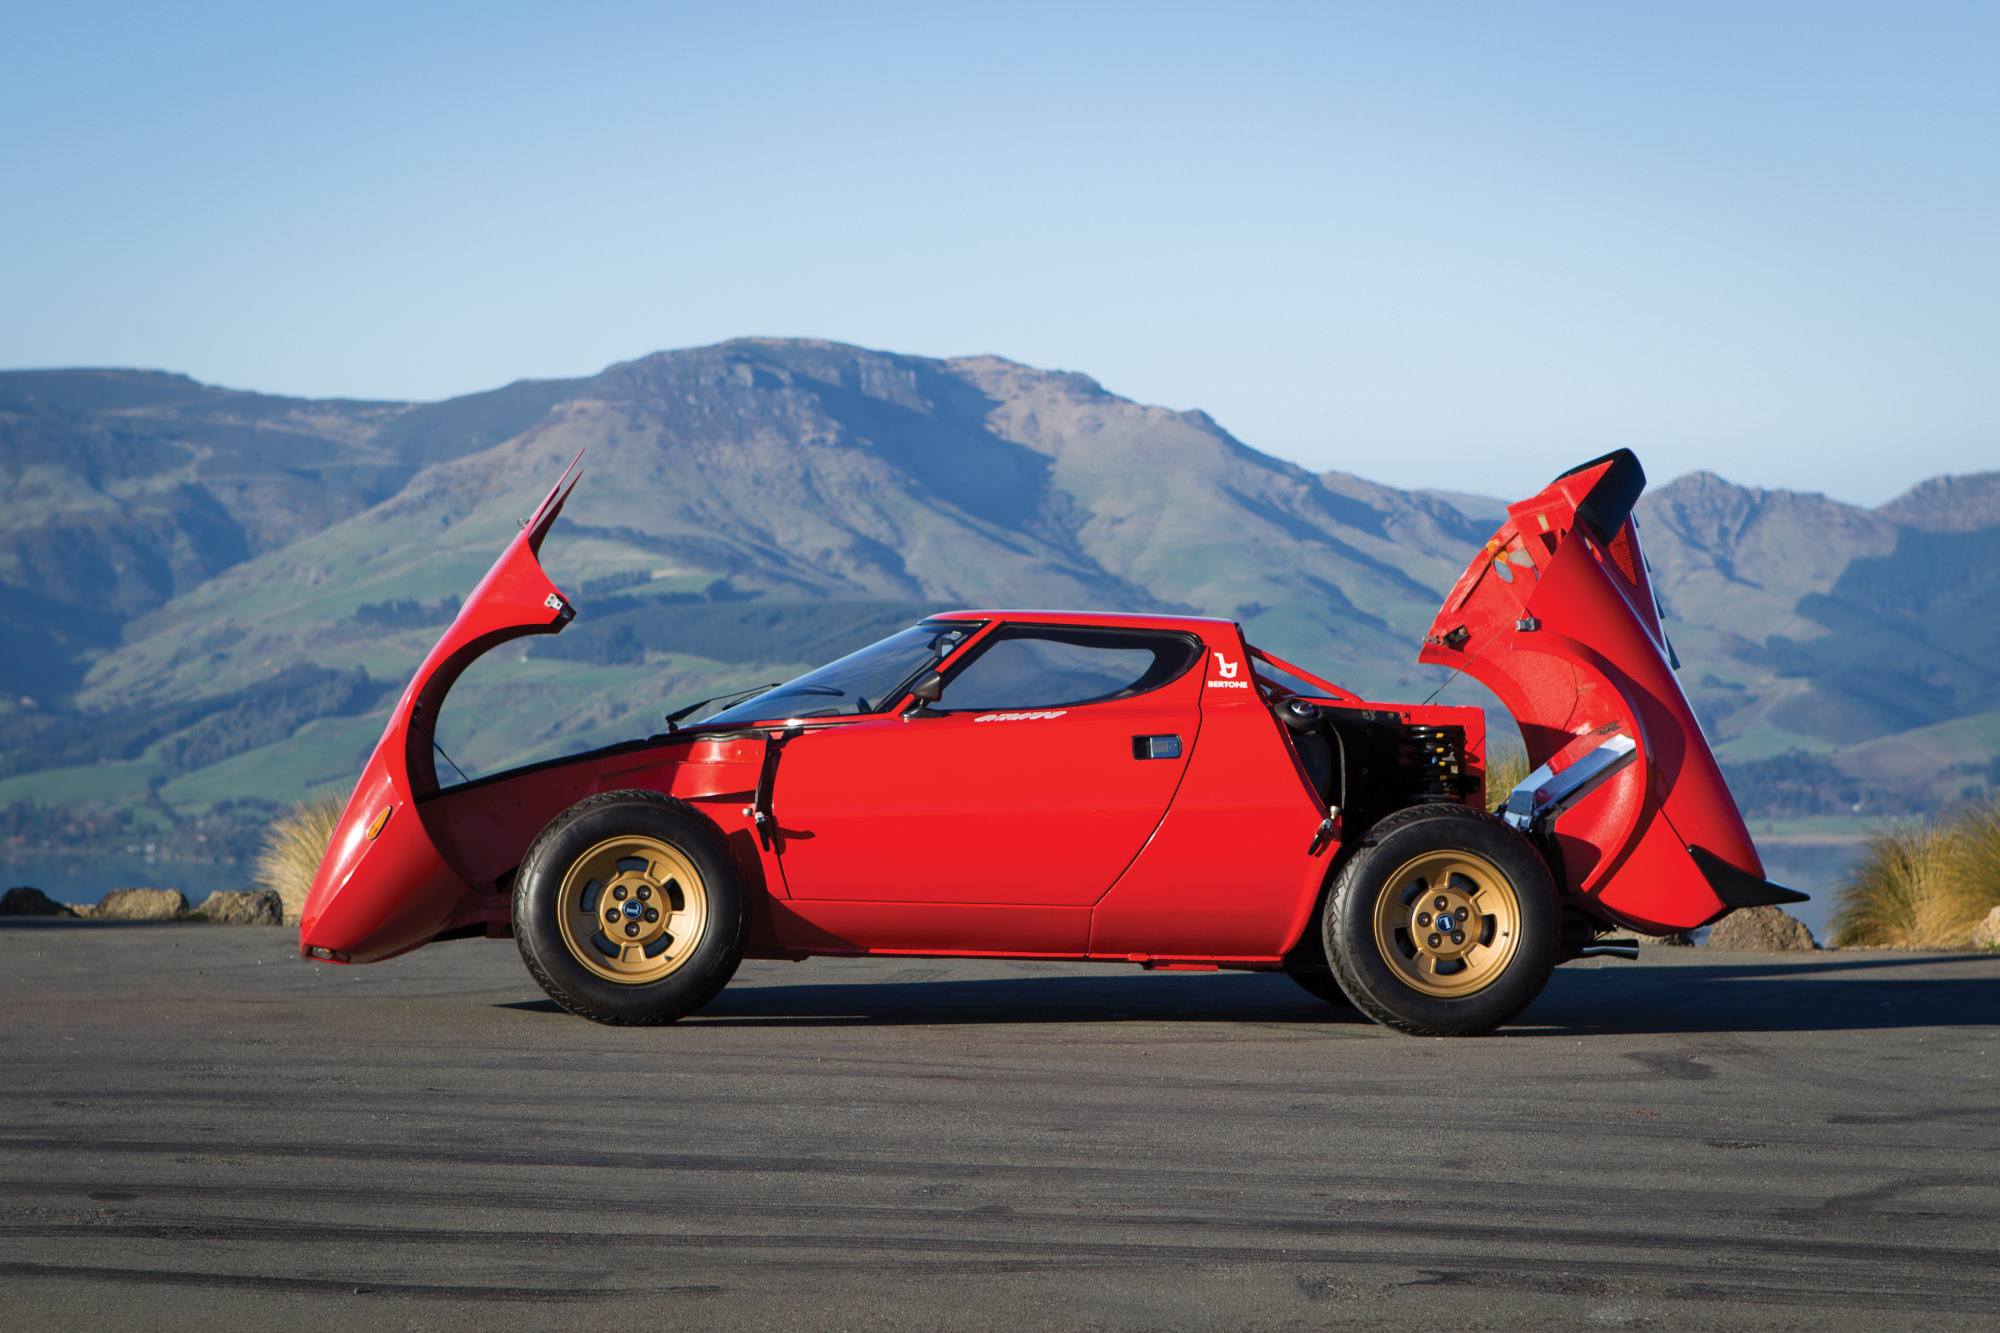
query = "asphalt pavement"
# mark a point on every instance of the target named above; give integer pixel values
(199, 1129)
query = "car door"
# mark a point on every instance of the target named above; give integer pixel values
(1033, 781)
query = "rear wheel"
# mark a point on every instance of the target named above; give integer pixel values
(628, 909)
(1444, 923)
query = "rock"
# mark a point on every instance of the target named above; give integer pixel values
(24, 901)
(1985, 935)
(141, 905)
(257, 907)
(1763, 929)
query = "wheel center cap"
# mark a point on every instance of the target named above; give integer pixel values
(633, 910)
(1453, 915)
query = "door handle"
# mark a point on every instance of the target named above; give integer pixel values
(1156, 747)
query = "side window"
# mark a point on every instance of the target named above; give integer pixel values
(1053, 668)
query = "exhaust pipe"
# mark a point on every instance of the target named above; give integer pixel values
(1626, 949)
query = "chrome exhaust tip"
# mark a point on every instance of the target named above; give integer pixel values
(1626, 949)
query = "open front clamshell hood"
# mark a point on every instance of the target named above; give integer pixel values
(383, 888)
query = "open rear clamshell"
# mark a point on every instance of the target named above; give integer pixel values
(1557, 616)
(383, 888)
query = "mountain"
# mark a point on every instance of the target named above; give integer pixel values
(214, 593)
(1949, 504)
(1868, 640)
(126, 488)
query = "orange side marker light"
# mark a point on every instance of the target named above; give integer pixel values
(375, 824)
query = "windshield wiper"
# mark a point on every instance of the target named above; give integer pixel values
(734, 696)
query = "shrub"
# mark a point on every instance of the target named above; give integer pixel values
(294, 845)
(1923, 884)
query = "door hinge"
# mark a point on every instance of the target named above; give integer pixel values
(759, 811)
(1328, 831)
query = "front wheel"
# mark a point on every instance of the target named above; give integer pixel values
(1444, 923)
(628, 909)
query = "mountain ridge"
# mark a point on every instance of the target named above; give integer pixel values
(167, 542)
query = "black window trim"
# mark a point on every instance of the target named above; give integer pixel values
(1017, 629)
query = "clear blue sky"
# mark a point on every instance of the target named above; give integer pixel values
(1452, 245)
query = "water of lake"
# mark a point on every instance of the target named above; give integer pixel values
(73, 880)
(1810, 867)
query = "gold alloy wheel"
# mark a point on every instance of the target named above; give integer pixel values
(1448, 923)
(632, 909)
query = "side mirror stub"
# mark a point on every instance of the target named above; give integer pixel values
(923, 694)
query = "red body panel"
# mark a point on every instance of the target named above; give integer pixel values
(955, 930)
(1058, 832)
(483, 829)
(1229, 874)
(1033, 808)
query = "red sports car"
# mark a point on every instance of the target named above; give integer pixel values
(1054, 784)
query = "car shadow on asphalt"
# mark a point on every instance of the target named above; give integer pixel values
(1743, 995)
(1818, 993)
(1139, 998)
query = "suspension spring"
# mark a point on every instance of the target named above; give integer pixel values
(1434, 762)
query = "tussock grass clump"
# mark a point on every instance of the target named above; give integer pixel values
(294, 845)
(1506, 769)
(1923, 884)
(1979, 856)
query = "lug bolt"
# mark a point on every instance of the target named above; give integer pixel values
(610, 914)
(631, 927)
(1441, 903)
(652, 914)
(1423, 918)
(619, 893)
(1435, 941)
(1458, 937)
(645, 892)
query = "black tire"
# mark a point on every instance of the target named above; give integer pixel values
(1470, 978)
(660, 869)
(1307, 965)
(1321, 985)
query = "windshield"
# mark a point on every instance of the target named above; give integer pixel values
(863, 682)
